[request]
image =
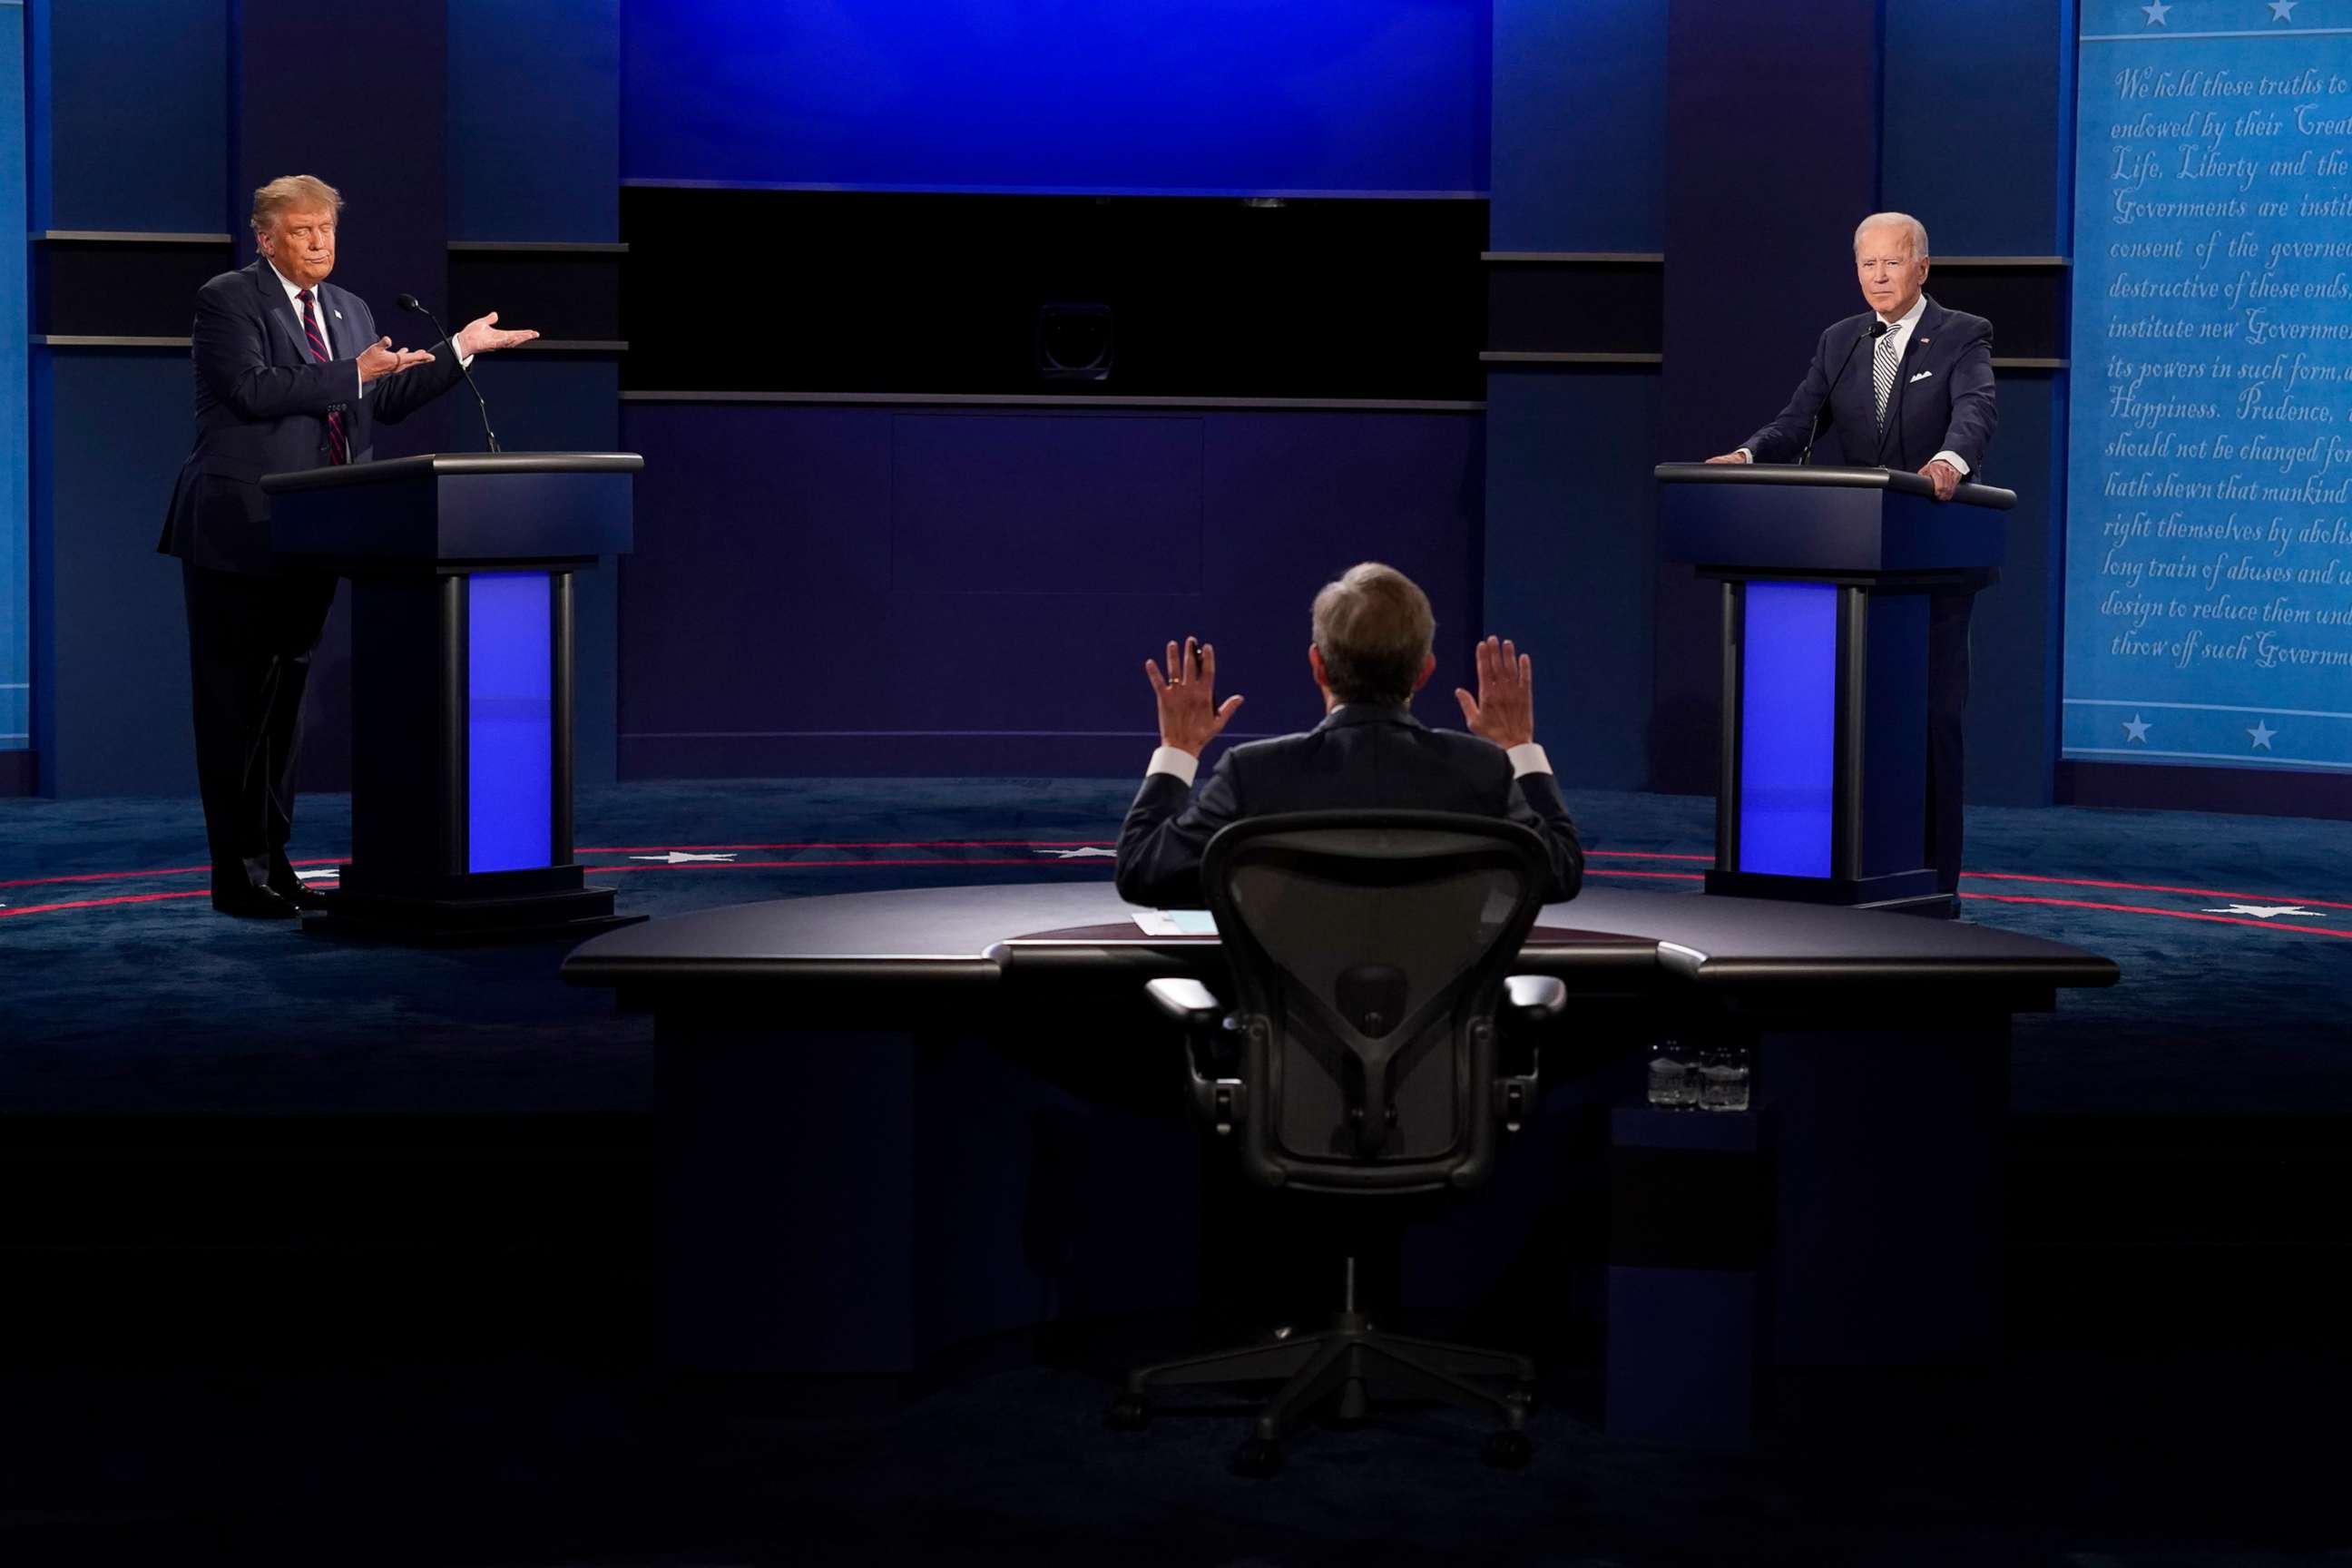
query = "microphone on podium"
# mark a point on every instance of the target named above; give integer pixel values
(1878, 329)
(410, 303)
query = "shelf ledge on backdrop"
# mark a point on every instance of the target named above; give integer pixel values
(1036, 400)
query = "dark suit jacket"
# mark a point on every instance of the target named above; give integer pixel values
(1362, 756)
(1942, 399)
(261, 409)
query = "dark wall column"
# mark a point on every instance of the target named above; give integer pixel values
(1772, 153)
(360, 99)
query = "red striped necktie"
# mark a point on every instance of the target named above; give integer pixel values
(337, 451)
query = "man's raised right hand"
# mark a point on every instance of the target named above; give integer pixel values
(380, 359)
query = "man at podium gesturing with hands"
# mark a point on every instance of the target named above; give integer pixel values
(291, 375)
(1918, 398)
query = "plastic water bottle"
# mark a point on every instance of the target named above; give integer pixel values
(1674, 1081)
(1723, 1078)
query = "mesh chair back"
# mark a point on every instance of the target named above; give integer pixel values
(1368, 951)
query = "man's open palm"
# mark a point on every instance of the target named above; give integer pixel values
(1504, 712)
(1189, 715)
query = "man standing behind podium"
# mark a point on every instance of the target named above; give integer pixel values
(1373, 632)
(1918, 398)
(291, 375)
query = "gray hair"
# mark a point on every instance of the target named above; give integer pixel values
(1374, 629)
(1910, 226)
(306, 191)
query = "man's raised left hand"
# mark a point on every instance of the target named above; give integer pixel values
(483, 335)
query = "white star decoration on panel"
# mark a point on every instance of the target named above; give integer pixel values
(2283, 10)
(2136, 728)
(2261, 732)
(1089, 853)
(2266, 911)
(680, 857)
(2156, 13)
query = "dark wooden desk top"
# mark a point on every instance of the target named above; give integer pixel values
(925, 940)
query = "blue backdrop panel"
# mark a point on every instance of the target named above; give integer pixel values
(1570, 518)
(534, 133)
(509, 721)
(1787, 728)
(1984, 184)
(986, 504)
(15, 545)
(2208, 568)
(769, 634)
(2014, 635)
(111, 716)
(130, 114)
(1148, 95)
(1580, 122)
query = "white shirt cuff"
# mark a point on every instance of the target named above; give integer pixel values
(1175, 760)
(355, 377)
(1954, 459)
(1528, 759)
(1745, 452)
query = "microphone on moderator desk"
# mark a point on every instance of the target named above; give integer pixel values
(410, 303)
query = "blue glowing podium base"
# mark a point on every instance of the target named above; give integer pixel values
(1826, 577)
(461, 683)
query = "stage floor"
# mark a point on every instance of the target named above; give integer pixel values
(127, 993)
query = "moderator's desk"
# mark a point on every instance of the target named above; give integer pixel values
(856, 1181)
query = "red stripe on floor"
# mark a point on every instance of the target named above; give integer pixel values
(2151, 888)
(95, 903)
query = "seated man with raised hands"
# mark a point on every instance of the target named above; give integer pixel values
(1373, 649)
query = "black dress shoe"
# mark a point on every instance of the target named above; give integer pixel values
(256, 904)
(300, 897)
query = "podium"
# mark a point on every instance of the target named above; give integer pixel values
(1826, 576)
(461, 572)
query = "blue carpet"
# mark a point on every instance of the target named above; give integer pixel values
(125, 992)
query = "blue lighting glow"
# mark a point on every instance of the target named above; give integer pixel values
(1200, 97)
(1787, 728)
(509, 718)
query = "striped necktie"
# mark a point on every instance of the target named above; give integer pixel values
(1885, 375)
(337, 450)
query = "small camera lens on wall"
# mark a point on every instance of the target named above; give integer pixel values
(1074, 343)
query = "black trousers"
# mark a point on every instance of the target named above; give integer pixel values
(249, 645)
(1947, 706)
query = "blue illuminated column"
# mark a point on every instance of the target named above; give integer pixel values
(1788, 729)
(15, 587)
(509, 721)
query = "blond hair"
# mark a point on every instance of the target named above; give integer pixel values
(293, 191)
(1374, 629)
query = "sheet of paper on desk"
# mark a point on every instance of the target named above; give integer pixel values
(1176, 922)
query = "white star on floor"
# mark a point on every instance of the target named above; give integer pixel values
(2266, 911)
(329, 872)
(2156, 13)
(2261, 732)
(2283, 10)
(1089, 853)
(680, 857)
(2136, 728)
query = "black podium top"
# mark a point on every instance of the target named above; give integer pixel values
(1893, 479)
(436, 463)
(456, 511)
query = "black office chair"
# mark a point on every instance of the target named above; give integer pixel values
(1369, 952)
